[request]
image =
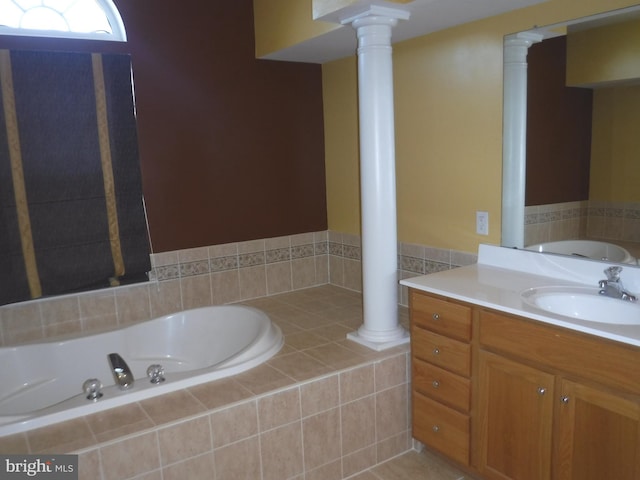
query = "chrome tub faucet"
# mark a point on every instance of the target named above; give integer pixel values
(612, 286)
(121, 371)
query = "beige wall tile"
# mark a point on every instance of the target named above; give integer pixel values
(303, 272)
(321, 434)
(393, 446)
(353, 274)
(21, 323)
(358, 461)
(89, 464)
(16, 443)
(164, 258)
(299, 366)
(61, 438)
(171, 406)
(390, 372)
(184, 440)
(234, 423)
(330, 471)
(225, 287)
(358, 425)
(263, 378)
(356, 383)
(130, 457)
(279, 409)
(132, 304)
(392, 412)
(319, 395)
(219, 393)
(224, 250)
(113, 423)
(281, 450)
(240, 460)
(196, 291)
(278, 278)
(200, 467)
(253, 282)
(251, 246)
(165, 297)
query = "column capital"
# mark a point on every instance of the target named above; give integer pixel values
(374, 14)
(516, 46)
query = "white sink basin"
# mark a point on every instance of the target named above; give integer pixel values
(583, 303)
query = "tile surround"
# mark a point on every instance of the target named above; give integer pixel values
(277, 421)
(216, 275)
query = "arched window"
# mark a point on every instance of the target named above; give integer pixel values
(88, 19)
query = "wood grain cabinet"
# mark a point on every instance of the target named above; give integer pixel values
(515, 399)
(441, 370)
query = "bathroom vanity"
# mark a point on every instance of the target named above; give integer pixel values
(512, 391)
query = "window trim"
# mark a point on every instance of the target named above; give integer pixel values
(118, 34)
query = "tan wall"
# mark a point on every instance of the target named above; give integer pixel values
(604, 54)
(448, 94)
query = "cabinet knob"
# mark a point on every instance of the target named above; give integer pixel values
(436, 316)
(564, 399)
(435, 384)
(435, 428)
(436, 351)
(542, 391)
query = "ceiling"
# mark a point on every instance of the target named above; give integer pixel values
(427, 16)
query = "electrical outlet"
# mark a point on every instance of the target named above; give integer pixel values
(482, 223)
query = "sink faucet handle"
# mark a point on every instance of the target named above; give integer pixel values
(613, 273)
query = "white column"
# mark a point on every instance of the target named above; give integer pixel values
(380, 329)
(514, 146)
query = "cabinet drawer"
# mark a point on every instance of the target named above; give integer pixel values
(441, 316)
(442, 351)
(441, 428)
(441, 385)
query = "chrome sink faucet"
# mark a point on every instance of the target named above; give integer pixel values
(121, 371)
(612, 286)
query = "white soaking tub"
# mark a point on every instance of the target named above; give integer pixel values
(42, 384)
(593, 249)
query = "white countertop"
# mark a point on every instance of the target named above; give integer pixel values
(501, 275)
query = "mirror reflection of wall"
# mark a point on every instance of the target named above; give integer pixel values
(582, 143)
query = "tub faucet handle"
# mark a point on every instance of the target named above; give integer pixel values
(92, 388)
(155, 373)
(613, 273)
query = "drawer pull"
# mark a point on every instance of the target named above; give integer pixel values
(542, 391)
(435, 384)
(564, 399)
(436, 316)
(435, 428)
(436, 351)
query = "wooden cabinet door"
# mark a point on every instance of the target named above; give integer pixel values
(515, 408)
(599, 435)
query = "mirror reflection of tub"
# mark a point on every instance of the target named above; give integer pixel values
(593, 249)
(42, 383)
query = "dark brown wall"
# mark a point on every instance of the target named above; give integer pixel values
(232, 148)
(558, 129)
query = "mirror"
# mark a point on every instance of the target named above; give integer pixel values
(609, 210)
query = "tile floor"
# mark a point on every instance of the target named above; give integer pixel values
(413, 466)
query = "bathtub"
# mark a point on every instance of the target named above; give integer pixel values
(587, 248)
(42, 384)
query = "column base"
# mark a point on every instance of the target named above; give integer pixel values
(399, 337)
